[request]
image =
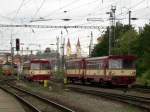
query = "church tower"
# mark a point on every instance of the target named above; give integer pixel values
(78, 49)
(68, 51)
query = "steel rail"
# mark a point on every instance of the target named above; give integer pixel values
(55, 104)
(141, 102)
(28, 104)
(144, 89)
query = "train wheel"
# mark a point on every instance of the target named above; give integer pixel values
(101, 83)
(83, 81)
(72, 81)
(109, 84)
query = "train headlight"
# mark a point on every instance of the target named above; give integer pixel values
(122, 71)
(133, 73)
(113, 73)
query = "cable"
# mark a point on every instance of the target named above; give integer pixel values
(42, 3)
(135, 5)
(25, 3)
(62, 7)
(22, 3)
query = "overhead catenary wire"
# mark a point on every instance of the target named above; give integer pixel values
(17, 12)
(54, 11)
(37, 11)
(14, 11)
(134, 6)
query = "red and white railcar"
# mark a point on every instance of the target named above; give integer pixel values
(75, 69)
(37, 70)
(116, 70)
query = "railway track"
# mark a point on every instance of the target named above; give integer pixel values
(137, 88)
(35, 102)
(140, 88)
(141, 102)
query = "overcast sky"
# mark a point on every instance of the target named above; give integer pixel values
(24, 11)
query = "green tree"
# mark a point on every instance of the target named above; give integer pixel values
(101, 49)
(143, 52)
(124, 44)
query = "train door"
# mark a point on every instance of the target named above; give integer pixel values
(105, 67)
(83, 70)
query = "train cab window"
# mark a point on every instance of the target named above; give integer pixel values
(35, 66)
(6, 66)
(45, 66)
(128, 64)
(115, 63)
(26, 67)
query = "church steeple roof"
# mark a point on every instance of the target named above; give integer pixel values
(68, 43)
(78, 43)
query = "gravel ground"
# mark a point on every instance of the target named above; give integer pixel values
(117, 91)
(78, 101)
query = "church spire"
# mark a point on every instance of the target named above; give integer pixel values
(78, 43)
(68, 51)
(78, 48)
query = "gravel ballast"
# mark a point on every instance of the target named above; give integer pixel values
(78, 101)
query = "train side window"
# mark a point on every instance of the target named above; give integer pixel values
(93, 65)
(25, 68)
(100, 65)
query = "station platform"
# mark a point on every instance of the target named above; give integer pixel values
(8, 103)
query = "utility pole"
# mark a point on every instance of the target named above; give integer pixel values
(113, 9)
(91, 44)
(63, 55)
(112, 23)
(129, 18)
(58, 62)
(62, 50)
(12, 50)
(109, 40)
(129, 27)
(110, 35)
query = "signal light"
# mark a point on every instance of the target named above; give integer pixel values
(17, 44)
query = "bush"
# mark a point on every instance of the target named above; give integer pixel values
(58, 75)
(145, 79)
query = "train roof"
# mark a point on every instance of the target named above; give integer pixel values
(37, 61)
(76, 59)
(126, 57)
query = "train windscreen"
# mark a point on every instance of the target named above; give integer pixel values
(45, 66)
(120, 63)
(6, 66)
(117, 63)
(35, 66)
